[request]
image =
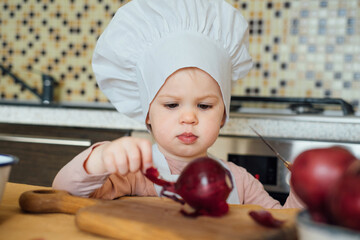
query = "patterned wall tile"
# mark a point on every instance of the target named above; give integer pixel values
(56, 38)
(304, 49)
(300, 48)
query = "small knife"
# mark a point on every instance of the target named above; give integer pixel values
(286, 163)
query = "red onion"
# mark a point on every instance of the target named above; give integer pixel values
(314, 173)
(266, 219)
(345, 198)
(204, 185)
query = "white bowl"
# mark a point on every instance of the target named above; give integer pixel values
(6, 162)
(308, 230)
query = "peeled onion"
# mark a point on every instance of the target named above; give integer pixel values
(204, 185)
(314, 173)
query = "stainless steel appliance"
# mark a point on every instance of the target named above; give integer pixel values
(252, 154)
(292, 106)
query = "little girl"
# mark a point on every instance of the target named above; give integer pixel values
(168, 64)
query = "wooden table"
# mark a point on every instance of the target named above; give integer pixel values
(16, 225)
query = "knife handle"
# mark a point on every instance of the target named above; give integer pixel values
(53, 201)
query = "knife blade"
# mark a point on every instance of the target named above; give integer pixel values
(286, 163)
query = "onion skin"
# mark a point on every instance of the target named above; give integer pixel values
(345, 199)
(265, 218)
(204, 185)
(314, 174)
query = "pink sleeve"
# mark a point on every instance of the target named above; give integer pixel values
(251, 191)
(293, 201)
(74, 179)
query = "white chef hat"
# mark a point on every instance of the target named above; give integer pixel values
(148, 40)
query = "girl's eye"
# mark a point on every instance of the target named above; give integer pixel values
(171, 105)
(204, 106)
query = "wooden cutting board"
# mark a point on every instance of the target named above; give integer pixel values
(156, 218)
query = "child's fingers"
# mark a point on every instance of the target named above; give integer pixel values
(128, 155)
(138, 154)
(115, 158)
(146, 154)
(109, 162)
(133, 157)
(121, 159)
(122, 165)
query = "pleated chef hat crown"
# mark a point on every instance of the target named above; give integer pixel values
(148, 40)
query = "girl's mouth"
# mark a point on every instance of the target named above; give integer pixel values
(187, 138)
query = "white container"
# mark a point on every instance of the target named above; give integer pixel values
(6, 162)
(308, 230)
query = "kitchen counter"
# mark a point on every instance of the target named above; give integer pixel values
(344, 129)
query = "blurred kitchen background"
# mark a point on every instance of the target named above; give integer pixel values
(307, 48)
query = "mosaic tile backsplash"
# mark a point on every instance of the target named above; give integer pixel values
(308, 48)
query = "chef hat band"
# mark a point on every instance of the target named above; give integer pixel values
(148, 40)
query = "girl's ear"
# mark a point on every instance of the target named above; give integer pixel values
(148, 123)
(223, 119)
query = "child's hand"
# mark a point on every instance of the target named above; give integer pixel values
(123, 155)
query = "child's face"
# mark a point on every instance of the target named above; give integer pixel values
(186, 114)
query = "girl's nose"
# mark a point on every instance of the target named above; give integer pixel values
(188, 117)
